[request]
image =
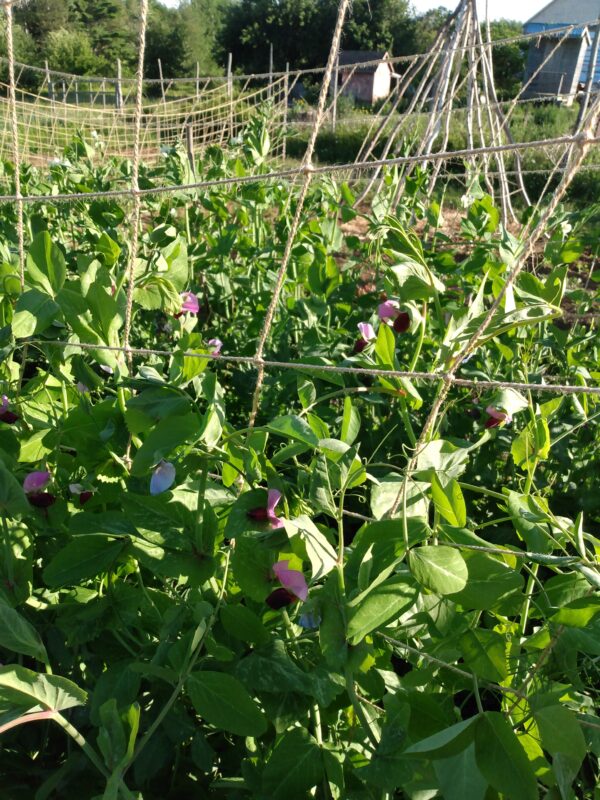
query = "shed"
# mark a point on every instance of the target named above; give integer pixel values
(569, 65)
(365, 75)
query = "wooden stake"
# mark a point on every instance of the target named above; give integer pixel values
(189, 141)
(119, 88)
(162, 83)
(335, 94)
(270, 90)
(197, 80)
(286, 100)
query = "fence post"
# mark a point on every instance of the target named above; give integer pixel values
(230, 92)
(270, 89)
(162, 85)
(49, 82)
(189, 142)
(119, 88)
(585, 100)
(335, 94)
(76, 93)
(286, 100)
(197, 80)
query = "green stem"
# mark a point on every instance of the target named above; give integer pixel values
(480, 490)
(199, 532)
(528, 595)
(407, 423)
(185, 673)
(421, 339)
(358, 709)
(8, 553)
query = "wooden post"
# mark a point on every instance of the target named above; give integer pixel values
(76, 93)
(585, 100)
(197, 80)
(286, 100)
(162, 84)
(189, 141)
(64, 88)
(119, 88)
(335, 94)
(103, 92)
(49, 82)
(270, 89)
(230, 92)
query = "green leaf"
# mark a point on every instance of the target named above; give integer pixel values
(30, 690)
(224, 702)
(243, 624)
(439, 568)
(484, 652)
(108, 249)
(490, 584)
(321, 554)
(384, 494)
(19, 636)
(449, 501)
(415, 281)
(459, 777)
(445, 743)
(166, 436)
(293, 427)
(350, 422)
(578, 613)
(376, 607)
(294, 767)
(13, 502)
(385, 347)
(83, 558)
(45, 264)
(563, 738)
(532, 444)
(34, 313)
(251, 565)
(502, 760)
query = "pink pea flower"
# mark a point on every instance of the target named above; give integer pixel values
(367, 334)
(268, 514)
(496, 417)
(291, 579)
(190, 304)
(216, 345)
(6, 415)
(389, 312)
(162, 478)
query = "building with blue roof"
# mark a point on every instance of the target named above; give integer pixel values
(559, 71)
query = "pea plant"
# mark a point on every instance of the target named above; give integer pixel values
(326, 603)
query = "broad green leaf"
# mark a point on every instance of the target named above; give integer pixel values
(306, 391)
(439, 568)
(294, 767)
(578, 613)
(385, 493)
(251, 566)
(385, 347)
(45, 264)
(223, 702)
(379, 606)
(350, 422)
(532, 444)
(446, 743)
(30, 690)
(449, 501)
(490, 584)
(459, 777)
(19, 636)
(34, 313)
(484, 652)
(320, 552)
(563, 738)
(243, 624)
(13, 502)
(108, 249)
(502, 760)
(270, 669)
(166, 436)
(83, 558)
(293, 427)
(415, 281)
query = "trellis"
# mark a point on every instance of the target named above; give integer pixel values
(132, 133)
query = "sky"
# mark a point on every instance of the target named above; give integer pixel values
(521, 10)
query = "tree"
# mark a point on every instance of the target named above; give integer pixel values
(40, 17)
(71, 51)
(202, 22)
(164, 40)
(509, 59)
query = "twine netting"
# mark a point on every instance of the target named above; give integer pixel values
(453, 82)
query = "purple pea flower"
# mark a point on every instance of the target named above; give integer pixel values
(6, 415)
(82, 388)
(162, 477)
(80, 491)
(389, 312)
(216, 345)
(268, 514)
(496, 417)
(34, 485)
(367, 334)
(190, 303)
(36, 481)
(291, 579)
